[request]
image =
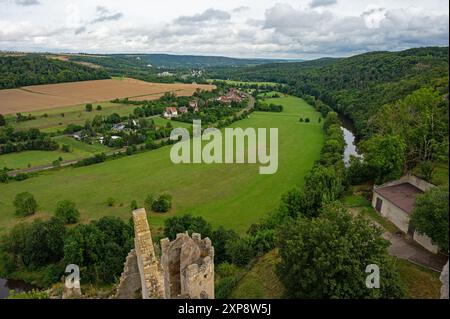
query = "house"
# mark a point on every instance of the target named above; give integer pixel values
(78, 135)
(118, 127)
(193, 105)
(395, 201)
(170, 112)
(165, 74)
(182, 109)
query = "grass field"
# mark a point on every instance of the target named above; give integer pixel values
(72, 115)
(28, 159)
(232, 195)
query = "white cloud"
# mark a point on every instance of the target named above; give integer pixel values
(273, 30)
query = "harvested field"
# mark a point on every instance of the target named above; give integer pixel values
(43, 97)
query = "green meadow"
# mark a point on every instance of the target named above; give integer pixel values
(232, 195)
(53, 120)
(78, 150)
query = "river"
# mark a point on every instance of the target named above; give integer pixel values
(6, 285)
(350, 139)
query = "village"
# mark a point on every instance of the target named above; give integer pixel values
(118, 130)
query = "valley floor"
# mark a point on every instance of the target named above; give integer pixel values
(232, 195)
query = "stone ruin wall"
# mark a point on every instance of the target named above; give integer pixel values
(186, 269)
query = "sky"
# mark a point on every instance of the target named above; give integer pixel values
(305, 29)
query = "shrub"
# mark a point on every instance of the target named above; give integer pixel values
(88, 107)
(99, 107)
(25, 204)
(65, 148)
(21, 177)
(186, 223)
(67, 212)
(307, 120)
(163, 204)
(133, 205)
(148, 203)
(301, 119)
(239, 251)
(110, 201)
(4, 178)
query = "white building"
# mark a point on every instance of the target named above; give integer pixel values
(395, 201)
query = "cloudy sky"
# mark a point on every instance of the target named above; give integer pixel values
(240, 28)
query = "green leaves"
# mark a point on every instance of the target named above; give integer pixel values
(326, 257)
(431, 216)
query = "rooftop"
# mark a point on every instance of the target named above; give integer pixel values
(401, 195)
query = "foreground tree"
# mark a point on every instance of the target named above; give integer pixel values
(326, 257)
(431, 214)
(25, 204)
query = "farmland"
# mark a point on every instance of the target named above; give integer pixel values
(234, 196)
(45, 97)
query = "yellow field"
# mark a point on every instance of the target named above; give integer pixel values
(44, 97)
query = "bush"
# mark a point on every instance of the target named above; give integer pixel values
(301, 119)
(148, 203)
(110, 201)
(88, 107)
(21, 177)
(307, 120)
(34, 294)
(4, 178)
(25, 204)
(67, 212)
(239, 251)
(65, 148)
(99, 107)
(133, 205)
(186, 223)
(163, 204)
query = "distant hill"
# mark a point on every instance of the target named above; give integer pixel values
(356, 86)
(170, 61)
(32, 69)
(197, 61)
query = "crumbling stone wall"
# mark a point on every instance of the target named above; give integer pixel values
(149, 267)
(130, 282)
(188, 267)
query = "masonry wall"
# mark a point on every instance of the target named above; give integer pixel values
(401, 219)
(149, 268)
(388, 210)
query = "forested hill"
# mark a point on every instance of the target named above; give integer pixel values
(357, 86)
(170, 61)
(32, 69)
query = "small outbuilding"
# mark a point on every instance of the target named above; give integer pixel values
(395, 201)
